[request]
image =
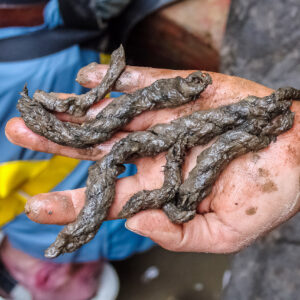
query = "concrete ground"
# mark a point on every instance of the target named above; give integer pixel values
(162, 275)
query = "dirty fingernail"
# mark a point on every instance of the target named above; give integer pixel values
(27, 209)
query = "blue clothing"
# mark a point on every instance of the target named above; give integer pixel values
(55, 72)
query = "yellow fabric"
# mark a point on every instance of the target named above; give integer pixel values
(105, 60)
(22, 179)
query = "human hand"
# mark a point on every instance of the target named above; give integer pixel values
(255, 193)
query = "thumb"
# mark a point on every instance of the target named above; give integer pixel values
(155, 225)
(130, 80)
(205, 233)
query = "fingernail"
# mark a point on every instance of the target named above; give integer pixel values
(82, 75)
(132, 226)
(27, 209)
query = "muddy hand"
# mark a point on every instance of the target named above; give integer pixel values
(255, 193)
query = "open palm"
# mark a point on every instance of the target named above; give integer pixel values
(255, 193)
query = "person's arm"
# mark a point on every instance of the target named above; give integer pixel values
(254, 194)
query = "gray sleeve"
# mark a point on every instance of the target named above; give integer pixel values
(108, 9)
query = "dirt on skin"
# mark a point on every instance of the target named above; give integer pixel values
(251, 211)
(263, 172)
(249, 125)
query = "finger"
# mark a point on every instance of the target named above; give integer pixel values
(224, 90)
(205, 233)
(90, 114)
(56, 207)
(63, 207)
(133, 78)
(142, 122)
(17, 133)
(139, 123)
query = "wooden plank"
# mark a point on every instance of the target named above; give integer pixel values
(21, 15)
(185, 35)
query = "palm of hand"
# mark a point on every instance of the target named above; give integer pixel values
(251, 196)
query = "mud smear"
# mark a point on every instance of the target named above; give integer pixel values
(269, 187)
(251, 211)
(263, 172)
